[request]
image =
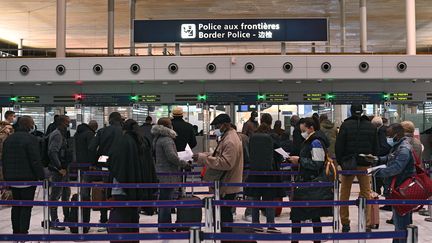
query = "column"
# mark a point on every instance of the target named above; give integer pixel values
(61, 29)
(20, 48)
(132, 18)
(342, 24)
(411, 27)
(363, 26)
(110, 27)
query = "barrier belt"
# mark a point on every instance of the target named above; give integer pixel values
(270, 204)
(288, 184)
(399, 202)
(308, 237)
(21, 183)
(131, 185)
(127, 225)
(94, 237)
(281, 225)
(107, 204)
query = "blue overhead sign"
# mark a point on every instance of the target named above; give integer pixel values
(231, 30)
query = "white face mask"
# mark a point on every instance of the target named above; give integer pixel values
(33, 129)
(305, 134)
(218, 133)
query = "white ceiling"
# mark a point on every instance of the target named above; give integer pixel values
(34, 21)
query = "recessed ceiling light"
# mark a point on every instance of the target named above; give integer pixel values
(38, 84)
(165, 83)
(427, 81)
(298, 82)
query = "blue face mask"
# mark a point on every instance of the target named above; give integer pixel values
(218, 133)
(391, 142)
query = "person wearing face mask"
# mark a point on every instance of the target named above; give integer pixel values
(356, 136)
(251, 125)
(400, 165)
(311, 163)
(167, 161)
(224, 164)
(60, 159)
(21, 162)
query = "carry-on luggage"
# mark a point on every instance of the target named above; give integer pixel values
(374, 208)
(188, 215)
(98, 194)
(73, 216)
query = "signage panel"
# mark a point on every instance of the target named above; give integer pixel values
(230, 30)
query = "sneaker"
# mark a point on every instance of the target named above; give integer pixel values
(273, 230)
(258, 230)
(346, 228)
(59, 228)
(389, 221)
(247, 218)
(102, 229)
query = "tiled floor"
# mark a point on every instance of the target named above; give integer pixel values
(425, 234)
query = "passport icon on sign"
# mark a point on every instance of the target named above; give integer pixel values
(188, 31)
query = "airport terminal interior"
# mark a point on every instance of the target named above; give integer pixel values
(288, 59)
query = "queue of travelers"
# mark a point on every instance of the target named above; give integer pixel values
(136, 154)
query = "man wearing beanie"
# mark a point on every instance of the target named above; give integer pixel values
(356, 136)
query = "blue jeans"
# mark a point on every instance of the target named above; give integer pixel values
(401, 223)
(164, 215)
(270, 212)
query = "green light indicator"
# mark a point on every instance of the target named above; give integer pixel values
(134, 98)
(329, 96)
(202, 97)
(386, 96)
(261, 97)
(14, 99)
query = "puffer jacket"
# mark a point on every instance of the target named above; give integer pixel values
(400, 163)
(356, 136)
(165, 153)
(330, 131)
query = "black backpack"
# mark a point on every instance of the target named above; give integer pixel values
(43, 145)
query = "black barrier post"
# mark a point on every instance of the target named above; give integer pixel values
(362, 217)
(412, 234)
(194, 234)
(336, 209)
(80, 210)
(46, 221)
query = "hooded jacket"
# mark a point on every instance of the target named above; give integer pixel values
(356, 136)
(165, 153)
(330, 131)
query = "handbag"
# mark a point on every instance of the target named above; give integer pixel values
(416, 187)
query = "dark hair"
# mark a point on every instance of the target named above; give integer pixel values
(25, 123)
(232, 126)
(164, 121)
(397, 129)
(131, 128)
(278, 124)
(323, 117)
(266, 118)
(301, 121)
(317, 123)
(310, 122)
(149, 118)
(263, 128)
(61, 120)
(114, 117)
(8, 114)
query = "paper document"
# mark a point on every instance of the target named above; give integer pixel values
(186, 155)
(103, 159)
(370, 170)
(282, 152)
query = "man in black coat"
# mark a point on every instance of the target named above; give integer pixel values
(356, 136)
(298, 139)
(21, 162)
(146, 129)
(184, 130)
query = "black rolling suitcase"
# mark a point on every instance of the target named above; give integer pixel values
(73, 216)
(188, 215)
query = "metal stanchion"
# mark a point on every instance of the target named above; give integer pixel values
(336, 209)
(429, 213)
(412, 234)
(46, 221)
(80, 210)
(362, 216)
(194, 234)
(218, 224)
(208, 215)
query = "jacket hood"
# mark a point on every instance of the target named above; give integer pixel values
(327, 124)
(357, 117)
(159, 130)
(322, 137)
(83, 128)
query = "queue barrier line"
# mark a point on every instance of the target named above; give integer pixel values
(289, 184)
(285, 204)
(399, 202)
(21, 183)
(278, 225)
(107, 204)
(94, 237)
(131, 185)
(127, 225)
(308, 237)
